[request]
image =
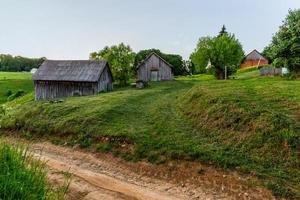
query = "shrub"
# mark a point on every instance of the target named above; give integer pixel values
(19, 93)
(8, 93)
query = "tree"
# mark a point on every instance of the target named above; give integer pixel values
(222, 51)
(223, 31)
(120, 58)
(18, 63)
(200, 56)
(175, 60)
(284, 49)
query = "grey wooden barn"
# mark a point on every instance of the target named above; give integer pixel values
(66, 78)
(154, 68)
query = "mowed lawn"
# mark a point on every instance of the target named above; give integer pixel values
(249, 124)
(14, 81)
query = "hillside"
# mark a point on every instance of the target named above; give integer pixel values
(11, 82)
(249, 124)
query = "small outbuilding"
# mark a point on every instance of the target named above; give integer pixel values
(254, 58)
(64, 78)
(154, 68)
(33, 70)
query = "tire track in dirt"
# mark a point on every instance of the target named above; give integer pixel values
(101, 176)
(105, 182)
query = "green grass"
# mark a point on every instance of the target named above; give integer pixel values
(14, 81)
(22, 177)
(250, 72)
(15, 76)
(248, 124)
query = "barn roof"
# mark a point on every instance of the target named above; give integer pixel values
(254, 55)
(149, 56)
(70, 70)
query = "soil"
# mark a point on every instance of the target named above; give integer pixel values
(96, 176)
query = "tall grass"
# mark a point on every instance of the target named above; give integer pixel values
(22, 176)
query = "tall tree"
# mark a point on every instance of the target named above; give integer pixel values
(121, 60)
(223, 51)
(284, 49)
(223, 31)
(200, 56)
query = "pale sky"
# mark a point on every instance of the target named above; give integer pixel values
(71, 29)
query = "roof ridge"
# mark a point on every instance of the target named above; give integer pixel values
(77, 60)
(150, 54)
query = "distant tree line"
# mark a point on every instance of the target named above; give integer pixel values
(18, 64)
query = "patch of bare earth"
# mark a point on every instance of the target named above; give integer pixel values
(102, 176)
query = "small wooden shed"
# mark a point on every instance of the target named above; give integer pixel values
(254, 58)
(154, 68)
(64, 78)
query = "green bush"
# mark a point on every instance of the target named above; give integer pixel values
(8, 93)
(19, 93)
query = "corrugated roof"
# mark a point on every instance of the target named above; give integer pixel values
(70, 70)
(255, 55)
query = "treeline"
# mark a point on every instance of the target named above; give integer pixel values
(18, 63)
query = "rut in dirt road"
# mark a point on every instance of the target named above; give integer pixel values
(106, 177)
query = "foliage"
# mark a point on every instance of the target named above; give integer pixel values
(17, 63)
(223, 31)
(143, 54)
(22, 177)
(121, 60)
(234, 124)
(175, 60)
(19, 93)
(222, 51)
(200, 57)
(284, 49)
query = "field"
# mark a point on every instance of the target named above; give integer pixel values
(248, 124)
(14, 81)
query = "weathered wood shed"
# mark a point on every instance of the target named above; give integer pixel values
(66, 78)
(254, 58)
(154, 68)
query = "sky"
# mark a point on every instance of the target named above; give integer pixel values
(72, 29)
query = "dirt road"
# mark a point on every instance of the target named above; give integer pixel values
(101, 176)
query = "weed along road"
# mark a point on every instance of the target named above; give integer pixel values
(105, 177)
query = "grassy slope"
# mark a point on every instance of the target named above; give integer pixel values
(14, 81)
(251, 124)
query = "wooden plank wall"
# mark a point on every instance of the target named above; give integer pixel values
(56, 89)
(154, 62)
(105, 82)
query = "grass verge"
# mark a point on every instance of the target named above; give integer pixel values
(23, 177)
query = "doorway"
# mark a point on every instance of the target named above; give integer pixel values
(154, 76)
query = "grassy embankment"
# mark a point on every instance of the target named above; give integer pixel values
(12, 82)
(248, 124)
